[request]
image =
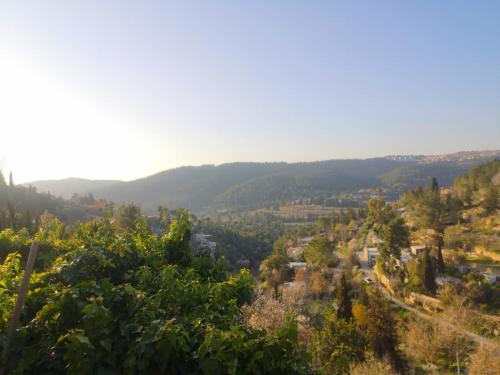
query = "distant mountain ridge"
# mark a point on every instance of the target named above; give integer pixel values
(460, 156)
(252, 185)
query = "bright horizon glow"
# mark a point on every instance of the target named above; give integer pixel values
(124, 90)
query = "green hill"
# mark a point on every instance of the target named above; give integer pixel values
(252, 185)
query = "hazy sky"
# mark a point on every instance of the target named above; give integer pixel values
(104, 89)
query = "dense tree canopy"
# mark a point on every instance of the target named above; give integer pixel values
(108, 301)
(319, 253)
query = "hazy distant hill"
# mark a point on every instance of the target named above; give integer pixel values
(456, 157)
(250, 185)
(67, 187)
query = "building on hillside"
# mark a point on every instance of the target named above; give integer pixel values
(443, 281)
(463, 269)
(296, 266)
(243, 263)
(370, 254)
(305, 241)
(373, 239)
(406, 256)
(295, 253)
(492, 279)
(418, 249)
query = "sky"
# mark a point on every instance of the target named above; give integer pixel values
(124, 89)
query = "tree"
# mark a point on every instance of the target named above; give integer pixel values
(467, 195)
(275, 270)
(395, 236)
(438, 239)
(319, 285)
(434, 185)
(28, 220)
(105, 302)
(177, 246)
(440, 260)
(12, 215)
(490, 200)
(127, 216)
(11, 180)
(376, 211)
(380, 331)
(343, 298)
(319, 253)
(336, 345)
(164, 216)
(451, 207)
(428, 273)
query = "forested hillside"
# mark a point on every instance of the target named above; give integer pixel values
(253, 185)
(20, 207)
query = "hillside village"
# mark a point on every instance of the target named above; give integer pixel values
(432, 252)
(362, 241)
(372, 278)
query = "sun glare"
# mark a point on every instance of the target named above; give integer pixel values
(43, 121)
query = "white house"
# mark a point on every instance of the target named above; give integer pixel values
(297, 265)
(492, 279)
(405, 256)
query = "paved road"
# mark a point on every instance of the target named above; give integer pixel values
(368, 272)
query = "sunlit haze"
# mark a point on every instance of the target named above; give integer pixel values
(121, 90)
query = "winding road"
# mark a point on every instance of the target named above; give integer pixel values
(368, 272)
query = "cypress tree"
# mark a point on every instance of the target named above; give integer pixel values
(428, 273)
(440, 260)
(12, 215)
(28, 221)
(434, 185)
(438, 241)
(344, 304)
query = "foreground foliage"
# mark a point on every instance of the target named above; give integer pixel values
(105, 300)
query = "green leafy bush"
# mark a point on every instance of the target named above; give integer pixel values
(129, 302)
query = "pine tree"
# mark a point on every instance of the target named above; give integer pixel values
(11, 180)
(2, 180)
(395, 236)
(344, 303)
